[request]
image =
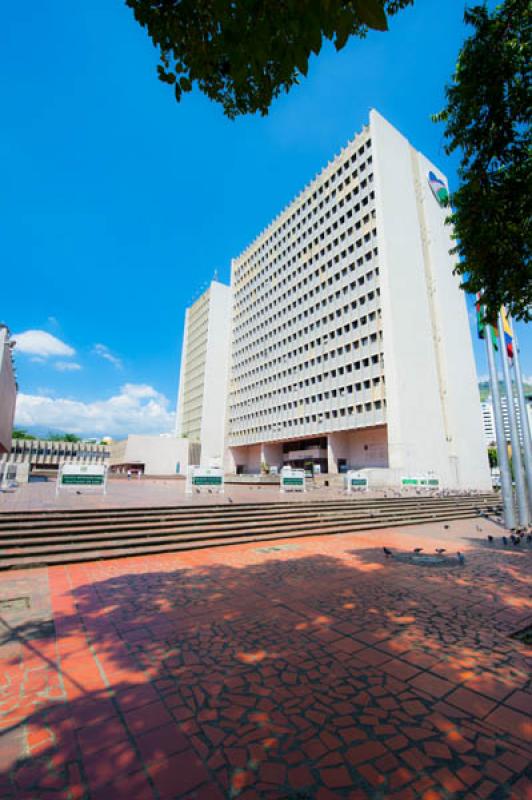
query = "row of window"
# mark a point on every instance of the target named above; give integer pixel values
(295, 264)
(309, 323)
(298, 216)
(242, 411)
(348, 414)
(262, 315)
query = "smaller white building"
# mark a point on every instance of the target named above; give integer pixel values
(8, 389)
(201, 402)
(153, 455)
(488, 418)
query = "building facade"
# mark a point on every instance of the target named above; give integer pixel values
(350, 343)
(488, 419)
(8, 389)
(202, 394)
(42, 456)
(153, 455)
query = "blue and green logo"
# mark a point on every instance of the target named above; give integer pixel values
(439, 189)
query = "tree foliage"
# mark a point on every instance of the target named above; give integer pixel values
(243, 53)
(63, 437)
(487, 118)
(20, 433)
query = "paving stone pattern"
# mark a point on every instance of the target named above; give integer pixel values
(310, 674)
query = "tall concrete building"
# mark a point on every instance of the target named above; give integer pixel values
(8, 389)
(201, 401)
(350, 338)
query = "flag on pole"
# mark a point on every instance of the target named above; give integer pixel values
(481, 325)
(508, 335)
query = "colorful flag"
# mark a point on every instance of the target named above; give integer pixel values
(508, 335)
(481, 325)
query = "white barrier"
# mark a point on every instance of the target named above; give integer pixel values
(75, 475)
(210, 478)
(292, 480)
(355, 480)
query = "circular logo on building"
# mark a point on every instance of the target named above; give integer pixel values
(439, 189)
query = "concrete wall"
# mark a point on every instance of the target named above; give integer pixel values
(8, 392)
(432, 399)
(360, 448)
(159, 454)
(216, 375)
(466, 451)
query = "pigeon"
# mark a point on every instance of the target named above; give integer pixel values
(504, 541)
(446, 527)
(490, 537)
(479, 529)
(461, 559)
(197, 491)
(78, 492)
(229, 499)
(440, 550)
(387, 552)
(418, 549)
(210, 491)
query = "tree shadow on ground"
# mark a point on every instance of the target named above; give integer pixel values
(278, 679)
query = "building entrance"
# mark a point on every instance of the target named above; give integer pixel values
(308, 454)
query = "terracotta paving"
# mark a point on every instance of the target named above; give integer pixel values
(311, 672)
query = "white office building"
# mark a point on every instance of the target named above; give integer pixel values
(350, 343)
(488, 419)
(201, 402)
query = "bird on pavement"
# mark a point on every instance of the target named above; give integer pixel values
(479, 529)
(440, 550)
(461, 559)
(229, 499)
(387, 552)
(490, 537)
(446, 527)
(418, 549)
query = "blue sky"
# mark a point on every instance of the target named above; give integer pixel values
(118, 204)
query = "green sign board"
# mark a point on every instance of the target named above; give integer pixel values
(359, 481)
(293, 481)
(207, 480)
(420, 482)
(82, 480)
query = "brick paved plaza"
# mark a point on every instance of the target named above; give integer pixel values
(311, 670)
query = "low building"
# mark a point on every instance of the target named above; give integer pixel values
(153, 455)
(41, 456)
(8, 389)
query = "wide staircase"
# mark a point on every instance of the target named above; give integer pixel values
(32, 539)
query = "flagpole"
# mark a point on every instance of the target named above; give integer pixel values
(502, 451)
(525, 428)
(522, 505)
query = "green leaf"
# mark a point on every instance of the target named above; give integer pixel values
(372, 14)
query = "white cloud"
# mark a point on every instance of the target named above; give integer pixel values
(103, 351)
(66, 366)
(41, 343)
(138, 408)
